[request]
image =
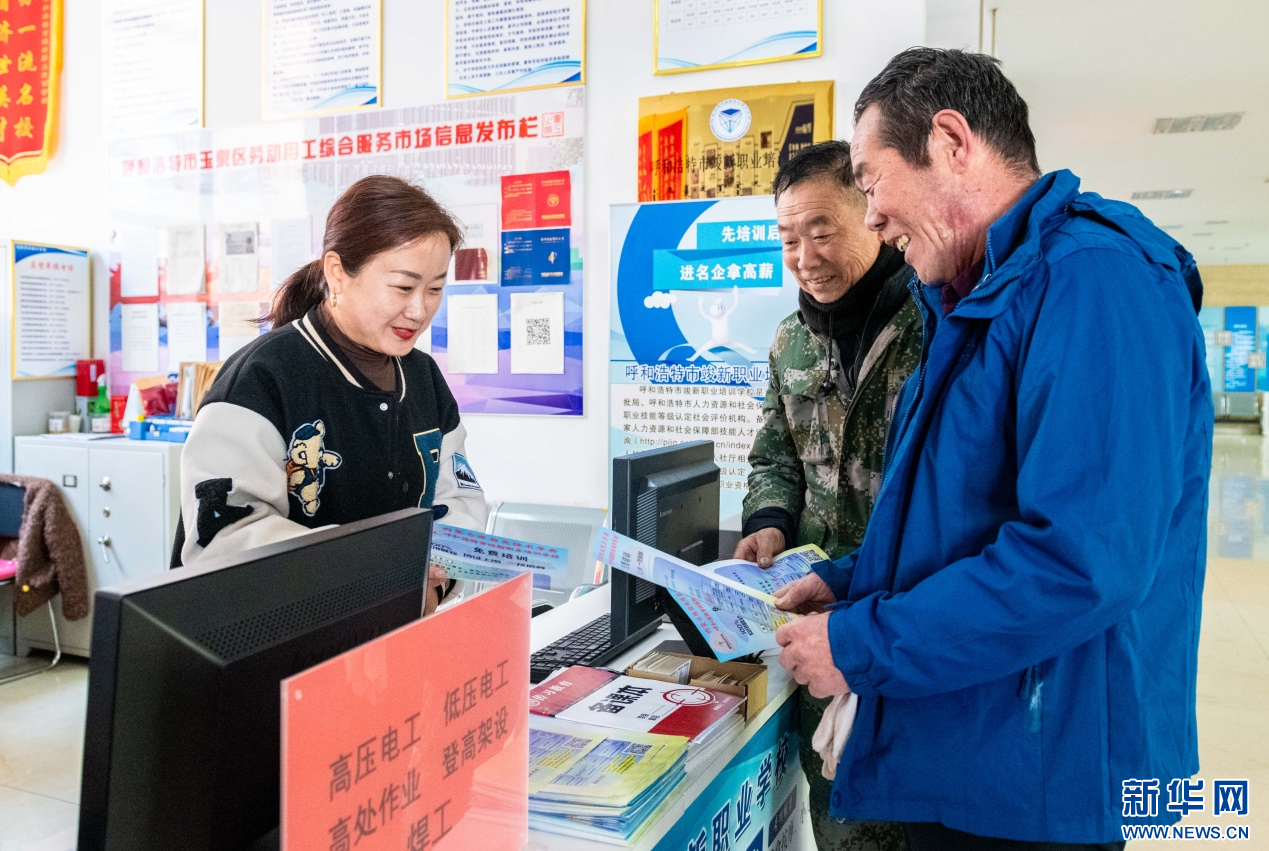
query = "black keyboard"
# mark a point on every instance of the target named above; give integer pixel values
(583, 646)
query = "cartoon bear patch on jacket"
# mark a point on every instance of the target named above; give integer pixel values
(306, 465)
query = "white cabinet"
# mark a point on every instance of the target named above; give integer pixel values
(125, 498)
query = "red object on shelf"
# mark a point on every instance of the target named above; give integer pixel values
(117, 404)
(86, 374)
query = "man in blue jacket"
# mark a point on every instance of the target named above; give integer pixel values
(1021, 621)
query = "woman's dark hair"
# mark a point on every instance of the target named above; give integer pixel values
(376, 214)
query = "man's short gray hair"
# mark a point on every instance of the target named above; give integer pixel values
(922, 81)
(825, 159)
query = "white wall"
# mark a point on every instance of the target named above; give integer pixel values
(565, 460)
(67, 203)
(561, 460)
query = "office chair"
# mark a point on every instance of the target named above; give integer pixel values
(12, 498)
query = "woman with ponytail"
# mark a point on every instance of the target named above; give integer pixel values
(333, 416)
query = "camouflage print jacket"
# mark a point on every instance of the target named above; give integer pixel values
(818, 453)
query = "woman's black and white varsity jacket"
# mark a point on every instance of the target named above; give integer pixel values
(291, 437)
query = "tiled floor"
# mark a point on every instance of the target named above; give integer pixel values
(41, 718)
(41, 745)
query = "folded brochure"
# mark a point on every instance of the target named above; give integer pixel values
(729, 601)
(480, 557)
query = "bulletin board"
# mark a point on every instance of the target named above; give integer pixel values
(220, 217)
(697, 35)
(51, 310)
(698, 290)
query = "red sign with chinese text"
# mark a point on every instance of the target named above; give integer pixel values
(30, 64)
(418, 739)
(459, 134)
(541, 200)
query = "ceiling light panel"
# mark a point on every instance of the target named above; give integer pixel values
(1198, 123)
(1162, 194)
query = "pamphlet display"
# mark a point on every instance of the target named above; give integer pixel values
(605, 785)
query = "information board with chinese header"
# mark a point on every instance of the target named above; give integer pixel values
(698, 290)
(322, 56)
(51, 310)
(221, 217)
(693, 35)
(1240, 376)
(398, 745)
(510, 47)
(153, 66)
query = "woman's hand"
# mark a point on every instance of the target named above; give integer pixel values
(436, 582)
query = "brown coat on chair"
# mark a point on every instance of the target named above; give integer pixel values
(48, 550)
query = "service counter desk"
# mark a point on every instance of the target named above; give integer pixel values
(749, 789)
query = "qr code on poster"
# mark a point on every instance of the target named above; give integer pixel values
(638, 748)
(539, 331)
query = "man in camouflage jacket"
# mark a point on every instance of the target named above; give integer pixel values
(836, 367)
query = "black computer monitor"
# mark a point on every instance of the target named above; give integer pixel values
(182, 739)
(666, 498)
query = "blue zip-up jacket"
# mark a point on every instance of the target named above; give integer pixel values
(1022, 619)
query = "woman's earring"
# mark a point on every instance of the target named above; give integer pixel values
(334, 298)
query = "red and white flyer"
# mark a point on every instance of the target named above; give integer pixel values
(550, 697)
(651, 706)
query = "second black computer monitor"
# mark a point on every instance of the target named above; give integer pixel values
(666, 498)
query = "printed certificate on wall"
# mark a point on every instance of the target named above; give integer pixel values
(692, 35)
(322, 56)
(535, 45)
(153, 66)
(51, 310)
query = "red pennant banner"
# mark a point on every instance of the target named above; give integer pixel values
(30, 65)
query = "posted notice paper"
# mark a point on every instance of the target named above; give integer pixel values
(140, 332)
(239, 258)
(138, 262)
(186, 260)
(291, 248)
(537, 333)
(473, 334)
(186, 333)
(477, 261)
(238, 325)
